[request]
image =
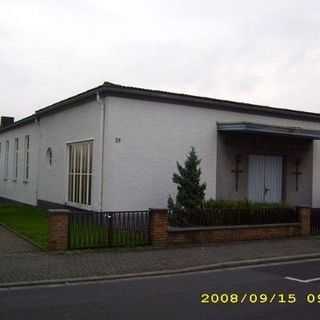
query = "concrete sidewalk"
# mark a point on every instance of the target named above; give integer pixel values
(39, 266)
(11, 243)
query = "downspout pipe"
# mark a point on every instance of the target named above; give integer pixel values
(39, 137)
(101, 102)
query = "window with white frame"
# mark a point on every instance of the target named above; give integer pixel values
(6, 160)
(80, 172)
(15, 158)
(26, 159)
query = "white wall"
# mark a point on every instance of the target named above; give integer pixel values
(19, 190)
(138, 170)
(56, 130)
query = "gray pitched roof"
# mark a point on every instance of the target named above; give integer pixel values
(112, 89)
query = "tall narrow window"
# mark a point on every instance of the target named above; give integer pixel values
(6, 161)
(15, 158)
(26, 158)
(80, 173)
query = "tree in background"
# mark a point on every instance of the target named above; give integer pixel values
(191, 193)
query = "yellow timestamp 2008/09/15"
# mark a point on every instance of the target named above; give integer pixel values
(256, 298)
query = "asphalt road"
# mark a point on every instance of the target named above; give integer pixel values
(177, 297)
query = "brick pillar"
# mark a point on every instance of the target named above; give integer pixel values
(304, 218)
(159, 227)
(58, 229)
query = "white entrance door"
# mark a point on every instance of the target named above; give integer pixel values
(265, 179)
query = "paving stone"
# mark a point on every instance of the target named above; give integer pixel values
(43, 266)
(11, 243)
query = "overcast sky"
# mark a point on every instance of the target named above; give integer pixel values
(265, 52)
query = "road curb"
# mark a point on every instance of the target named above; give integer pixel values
(209, 267)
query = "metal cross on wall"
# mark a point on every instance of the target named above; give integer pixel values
(236, 171)
(297, 173)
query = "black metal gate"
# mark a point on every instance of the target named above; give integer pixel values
(315, 221)
(108, 229)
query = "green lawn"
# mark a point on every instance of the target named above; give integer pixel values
(26, 220)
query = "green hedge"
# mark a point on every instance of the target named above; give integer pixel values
(242, 204)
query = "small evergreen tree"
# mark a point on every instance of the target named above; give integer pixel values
(191, 192)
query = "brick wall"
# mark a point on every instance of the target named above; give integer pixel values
(159, 227)
(58, 229)
(304, 217)
(232, 233)
(161, 234)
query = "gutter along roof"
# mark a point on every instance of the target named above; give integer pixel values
(111, 89)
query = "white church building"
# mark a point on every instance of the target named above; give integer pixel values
(115, 148)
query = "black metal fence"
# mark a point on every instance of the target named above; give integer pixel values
(315, 221)
(108, 229)
(225, 217)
